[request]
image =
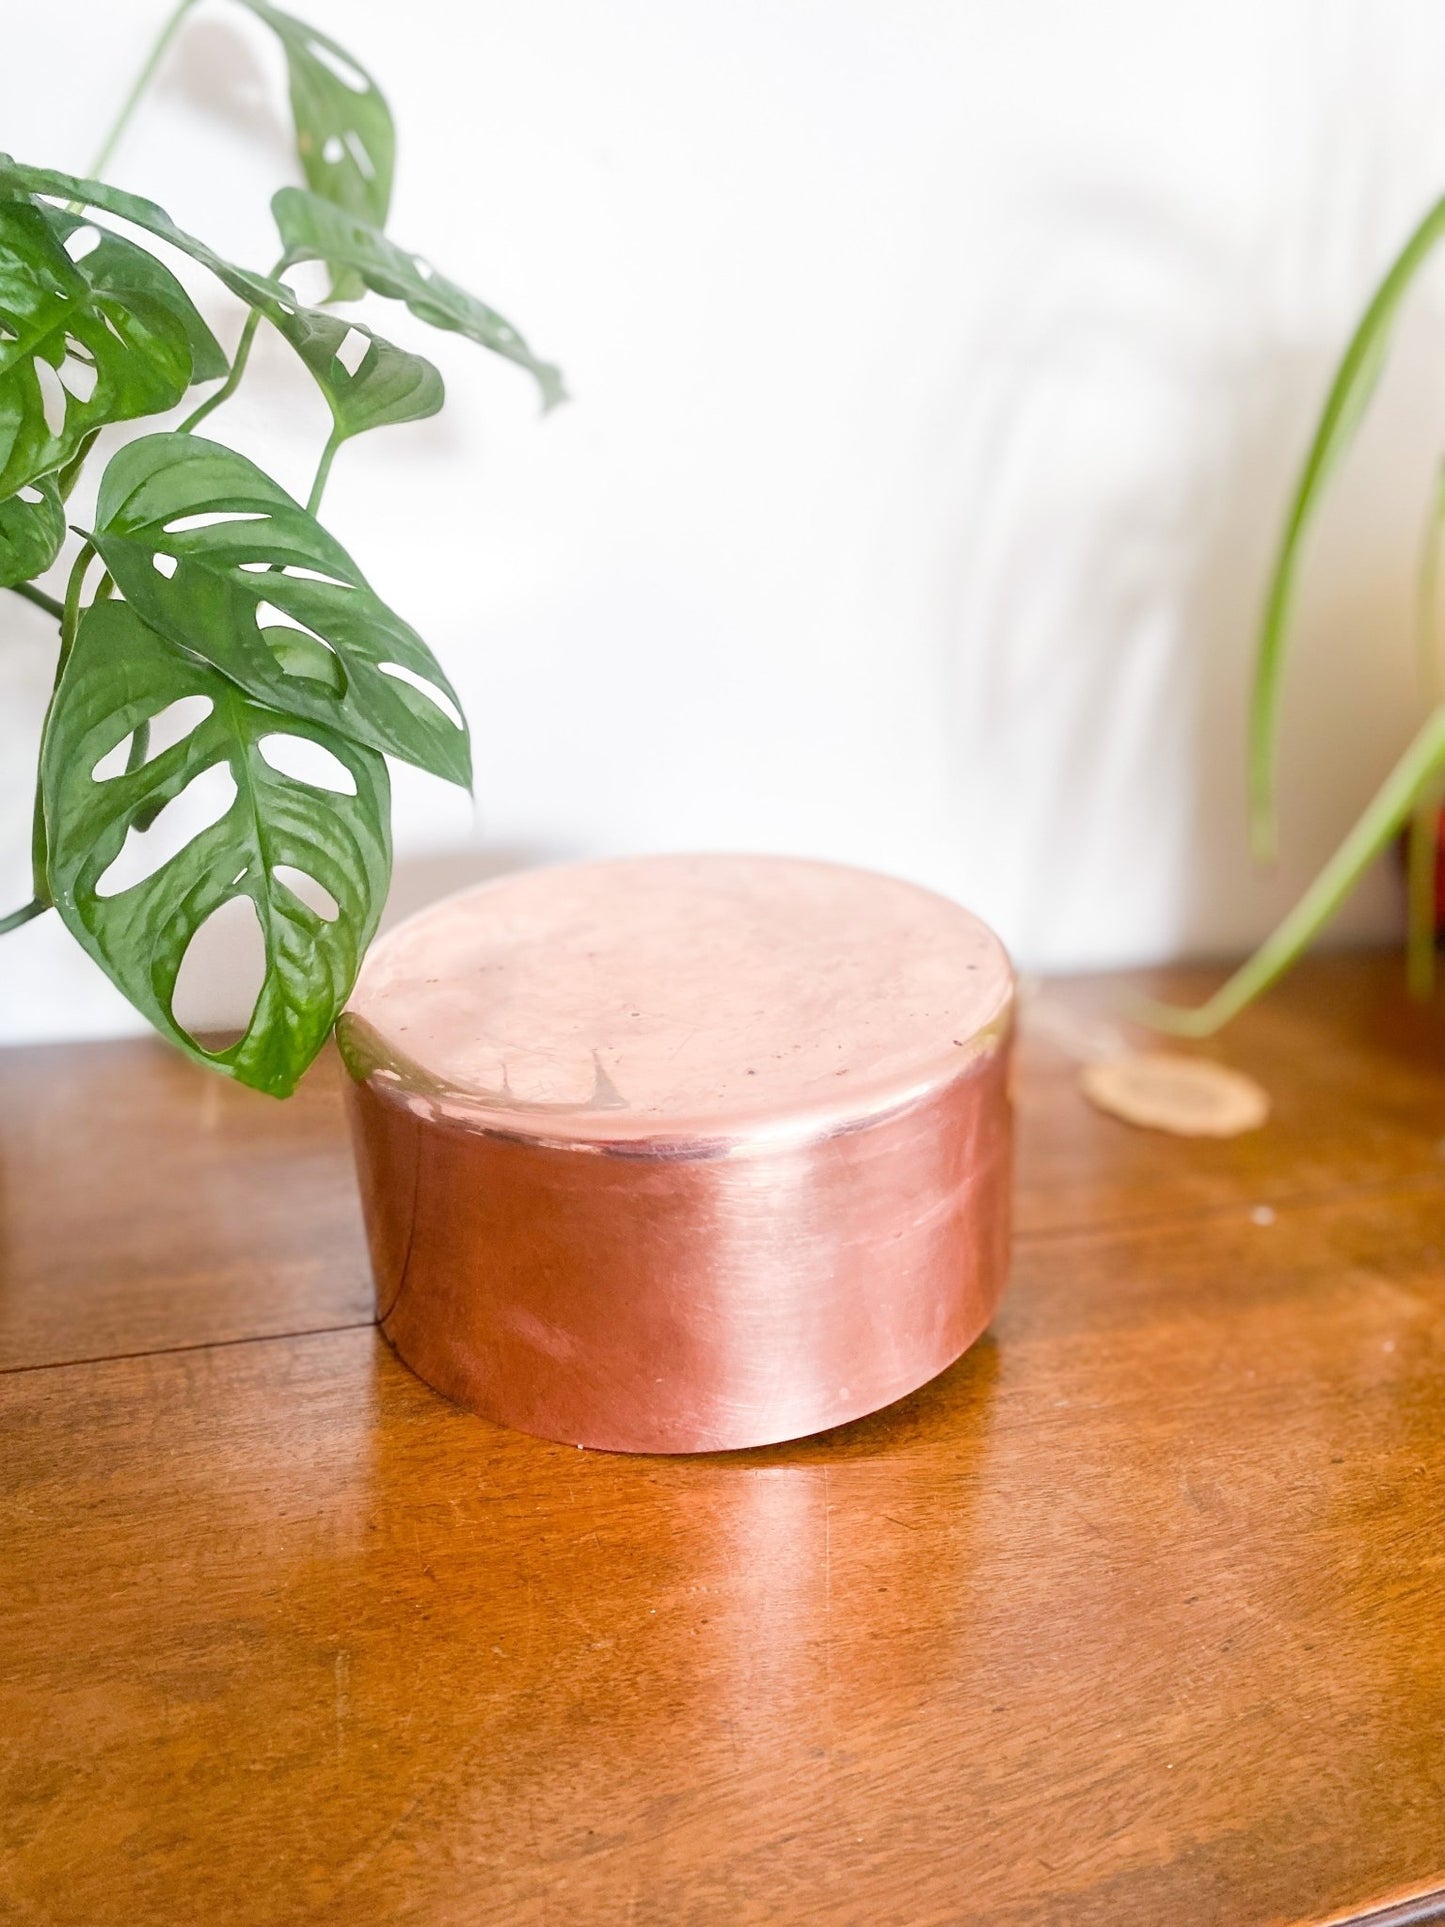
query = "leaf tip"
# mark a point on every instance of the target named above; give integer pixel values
(554, 389)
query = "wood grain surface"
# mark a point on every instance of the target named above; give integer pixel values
(1136, 1616)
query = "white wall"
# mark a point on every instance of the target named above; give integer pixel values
(939, 372)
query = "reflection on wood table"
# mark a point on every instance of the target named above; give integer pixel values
(1136, 1616)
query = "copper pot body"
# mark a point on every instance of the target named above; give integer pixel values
(684, 1262)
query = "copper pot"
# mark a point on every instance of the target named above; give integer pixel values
(677, 1154)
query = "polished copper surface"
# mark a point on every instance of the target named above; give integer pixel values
(676, 1154)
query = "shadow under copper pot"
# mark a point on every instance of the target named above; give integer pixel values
(587, 1223)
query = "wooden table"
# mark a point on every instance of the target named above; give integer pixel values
(1137, 1615)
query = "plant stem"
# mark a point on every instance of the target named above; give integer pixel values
(1381, 820)
(40, 902)
(69, 622)
(323, 470)
(25, 914)
(232, 382)
(38, 597)
(70, 613)
(238, 362)
(142, 80)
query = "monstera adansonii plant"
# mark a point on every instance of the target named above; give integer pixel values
(210, 623)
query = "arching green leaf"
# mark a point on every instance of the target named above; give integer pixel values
(119, 675)
(1344, 409)
(32, 528)
(261, 591)
(73, 356)
(313, 230)
(387, 385)
(345, 139)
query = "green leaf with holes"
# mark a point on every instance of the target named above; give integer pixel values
(395, 387)
(314, 230)
(345, 139)
(273, 300)
(32, 528)
(114, 266)
(73, 356)
(120, 674)
(383, 386)
(225, 564)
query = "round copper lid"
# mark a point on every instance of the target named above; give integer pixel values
(680, 998)
(647, 1144)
